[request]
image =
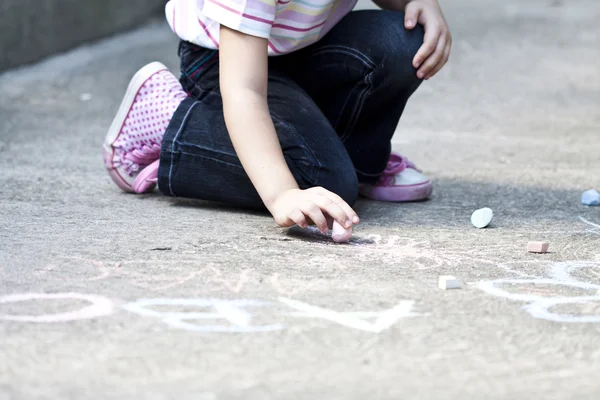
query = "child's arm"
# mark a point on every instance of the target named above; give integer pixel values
(243, 80)
(434, 53)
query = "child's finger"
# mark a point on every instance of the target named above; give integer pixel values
(433, 60)
(299, 219)
(430, 41)
(411, 15)
(352, 216)
(313, 211)
(335, 211)
(441, 64)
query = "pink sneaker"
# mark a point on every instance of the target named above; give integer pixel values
(401, 181)
(132, 144)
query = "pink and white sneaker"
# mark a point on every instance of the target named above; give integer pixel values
(132, 144)
(401, 181)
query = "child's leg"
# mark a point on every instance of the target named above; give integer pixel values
(197, 158)
(361, 75)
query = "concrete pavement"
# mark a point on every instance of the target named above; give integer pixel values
(105, 295)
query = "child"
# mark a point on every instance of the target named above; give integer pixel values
(283, 104)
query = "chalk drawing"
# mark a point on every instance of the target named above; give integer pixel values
(233, 311)
(239, 318)
(274, 281)
(596, 227)
(243, 279)
(101, 306)
(356, 320)
(588, 222)
(181, 272)
(398, 250)
(101, 270)
(539, 306)
(540, 309)
(173, 280)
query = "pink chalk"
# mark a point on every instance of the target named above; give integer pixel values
(340, 234)
(537, 247)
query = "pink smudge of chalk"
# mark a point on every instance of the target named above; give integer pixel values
(339, 234)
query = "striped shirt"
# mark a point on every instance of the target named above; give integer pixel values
(287, 24)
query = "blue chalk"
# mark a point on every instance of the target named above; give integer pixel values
(590, 198)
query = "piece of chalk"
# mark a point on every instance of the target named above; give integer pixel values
(448, 282)
(340, 234)
(482, 217)
(590, 198)
(537, 247)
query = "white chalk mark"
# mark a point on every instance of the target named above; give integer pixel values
(229, 310)
(491, 288)
(562, 270)
(181, 324)
(540, 309)
(142, 307)
(233, 314)
(376, 238)
(101, 306)
(384, 319)
(539, 306)
(588, 222)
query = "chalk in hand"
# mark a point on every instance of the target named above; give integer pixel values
(537, 247)
(339, 234)
(590, 198)
(482, 217)
(448, 282)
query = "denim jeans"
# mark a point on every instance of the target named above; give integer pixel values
(335, 106)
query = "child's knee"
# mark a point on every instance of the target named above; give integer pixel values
(400, 45)
(390, 46)
(344, 183)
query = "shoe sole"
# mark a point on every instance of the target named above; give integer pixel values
(138, 80)
(417, 192)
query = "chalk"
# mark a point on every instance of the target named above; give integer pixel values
(339, 234)
(481, 218)
(537, 247)
(448, 282)
(590, 198)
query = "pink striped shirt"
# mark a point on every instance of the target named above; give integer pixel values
(287, 24)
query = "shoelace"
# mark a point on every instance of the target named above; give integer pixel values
(141, 157)
(395, 165)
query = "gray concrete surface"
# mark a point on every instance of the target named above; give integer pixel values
(512, 123)
(32, 29)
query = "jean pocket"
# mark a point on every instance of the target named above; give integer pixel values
(199, 68)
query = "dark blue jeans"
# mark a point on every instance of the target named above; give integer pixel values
(335, 106)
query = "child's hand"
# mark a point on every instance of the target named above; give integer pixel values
(434, 52)
(304, 207)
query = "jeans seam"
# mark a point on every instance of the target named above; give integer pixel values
(205, 148)
(367, 62)
(207, 157)
(367, 174)
(358, 107)
(306, 147)
(183, 121)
